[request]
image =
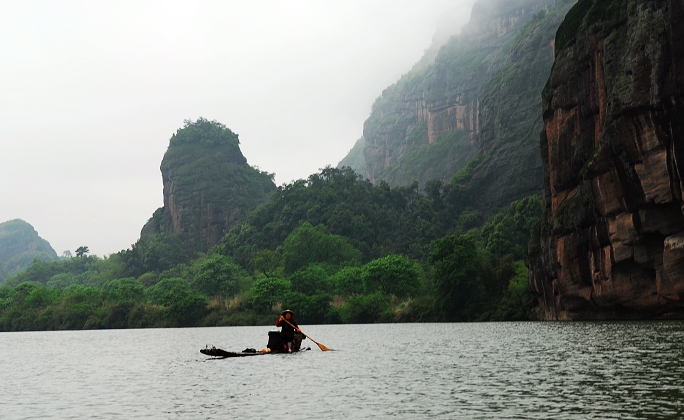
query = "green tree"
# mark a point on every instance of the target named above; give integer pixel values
(148, 279)
(38, 272)
(205, 132)
(310, 309)
(310, 280)
(81, 251)
(456, 275)
(181, 305)
(364, 309)
(393, 274)
(216, 275)
(267, 262)
(508, 232)
(308, 244)
(5, 298)
(376, 220)
(155, 293)
(154, 254)
(21, 292)
(42, 296)
(516, 297)
(184, 306)
(348, 281)
(79, 304)
(267, 291)
(126, 289)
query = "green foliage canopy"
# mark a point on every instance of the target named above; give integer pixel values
(510, 230)
(216, 275)
(206, 132)
(310, 280)
(267, 262)
(376, 220)
(393, 275)
(312, 309)
(348, 281)
(154, 254)
(126, 289)
(267, 291)
(183, 305)
(455, 261)
(308, 244)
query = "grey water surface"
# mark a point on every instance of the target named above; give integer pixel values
(601, 370)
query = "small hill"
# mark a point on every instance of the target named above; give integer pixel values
(208, 186)
(19, 246)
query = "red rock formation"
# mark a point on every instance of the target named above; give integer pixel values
(611, 244)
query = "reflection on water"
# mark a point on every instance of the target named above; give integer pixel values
(619, 370)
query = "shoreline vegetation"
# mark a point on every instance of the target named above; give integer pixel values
(334, 248)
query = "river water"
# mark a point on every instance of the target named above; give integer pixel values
(602, 370)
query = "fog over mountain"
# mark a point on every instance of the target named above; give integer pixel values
(92, 92)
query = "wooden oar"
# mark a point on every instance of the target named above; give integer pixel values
(320, 346)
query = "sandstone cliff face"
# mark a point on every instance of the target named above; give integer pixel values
(446, 97)
(478, 102)
(208, 186)
(611, 243)
(509, 166)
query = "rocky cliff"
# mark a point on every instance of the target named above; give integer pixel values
(208, 186)
(478, 101)
(611, 243)
(508, 166)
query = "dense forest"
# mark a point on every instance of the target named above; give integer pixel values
(230, 248)
(333, 247)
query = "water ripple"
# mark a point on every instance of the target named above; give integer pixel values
(630, 370)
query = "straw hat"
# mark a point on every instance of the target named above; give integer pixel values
(287, 311)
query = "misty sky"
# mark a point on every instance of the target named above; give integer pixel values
(91, 92)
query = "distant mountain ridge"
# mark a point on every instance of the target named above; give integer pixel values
(19, 246)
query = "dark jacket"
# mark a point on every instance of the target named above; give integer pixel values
(287, 331)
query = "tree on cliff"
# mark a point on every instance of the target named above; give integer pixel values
(205, 132)
(81, 251)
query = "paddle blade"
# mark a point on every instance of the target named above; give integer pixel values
(323, 347)
(320, 346)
